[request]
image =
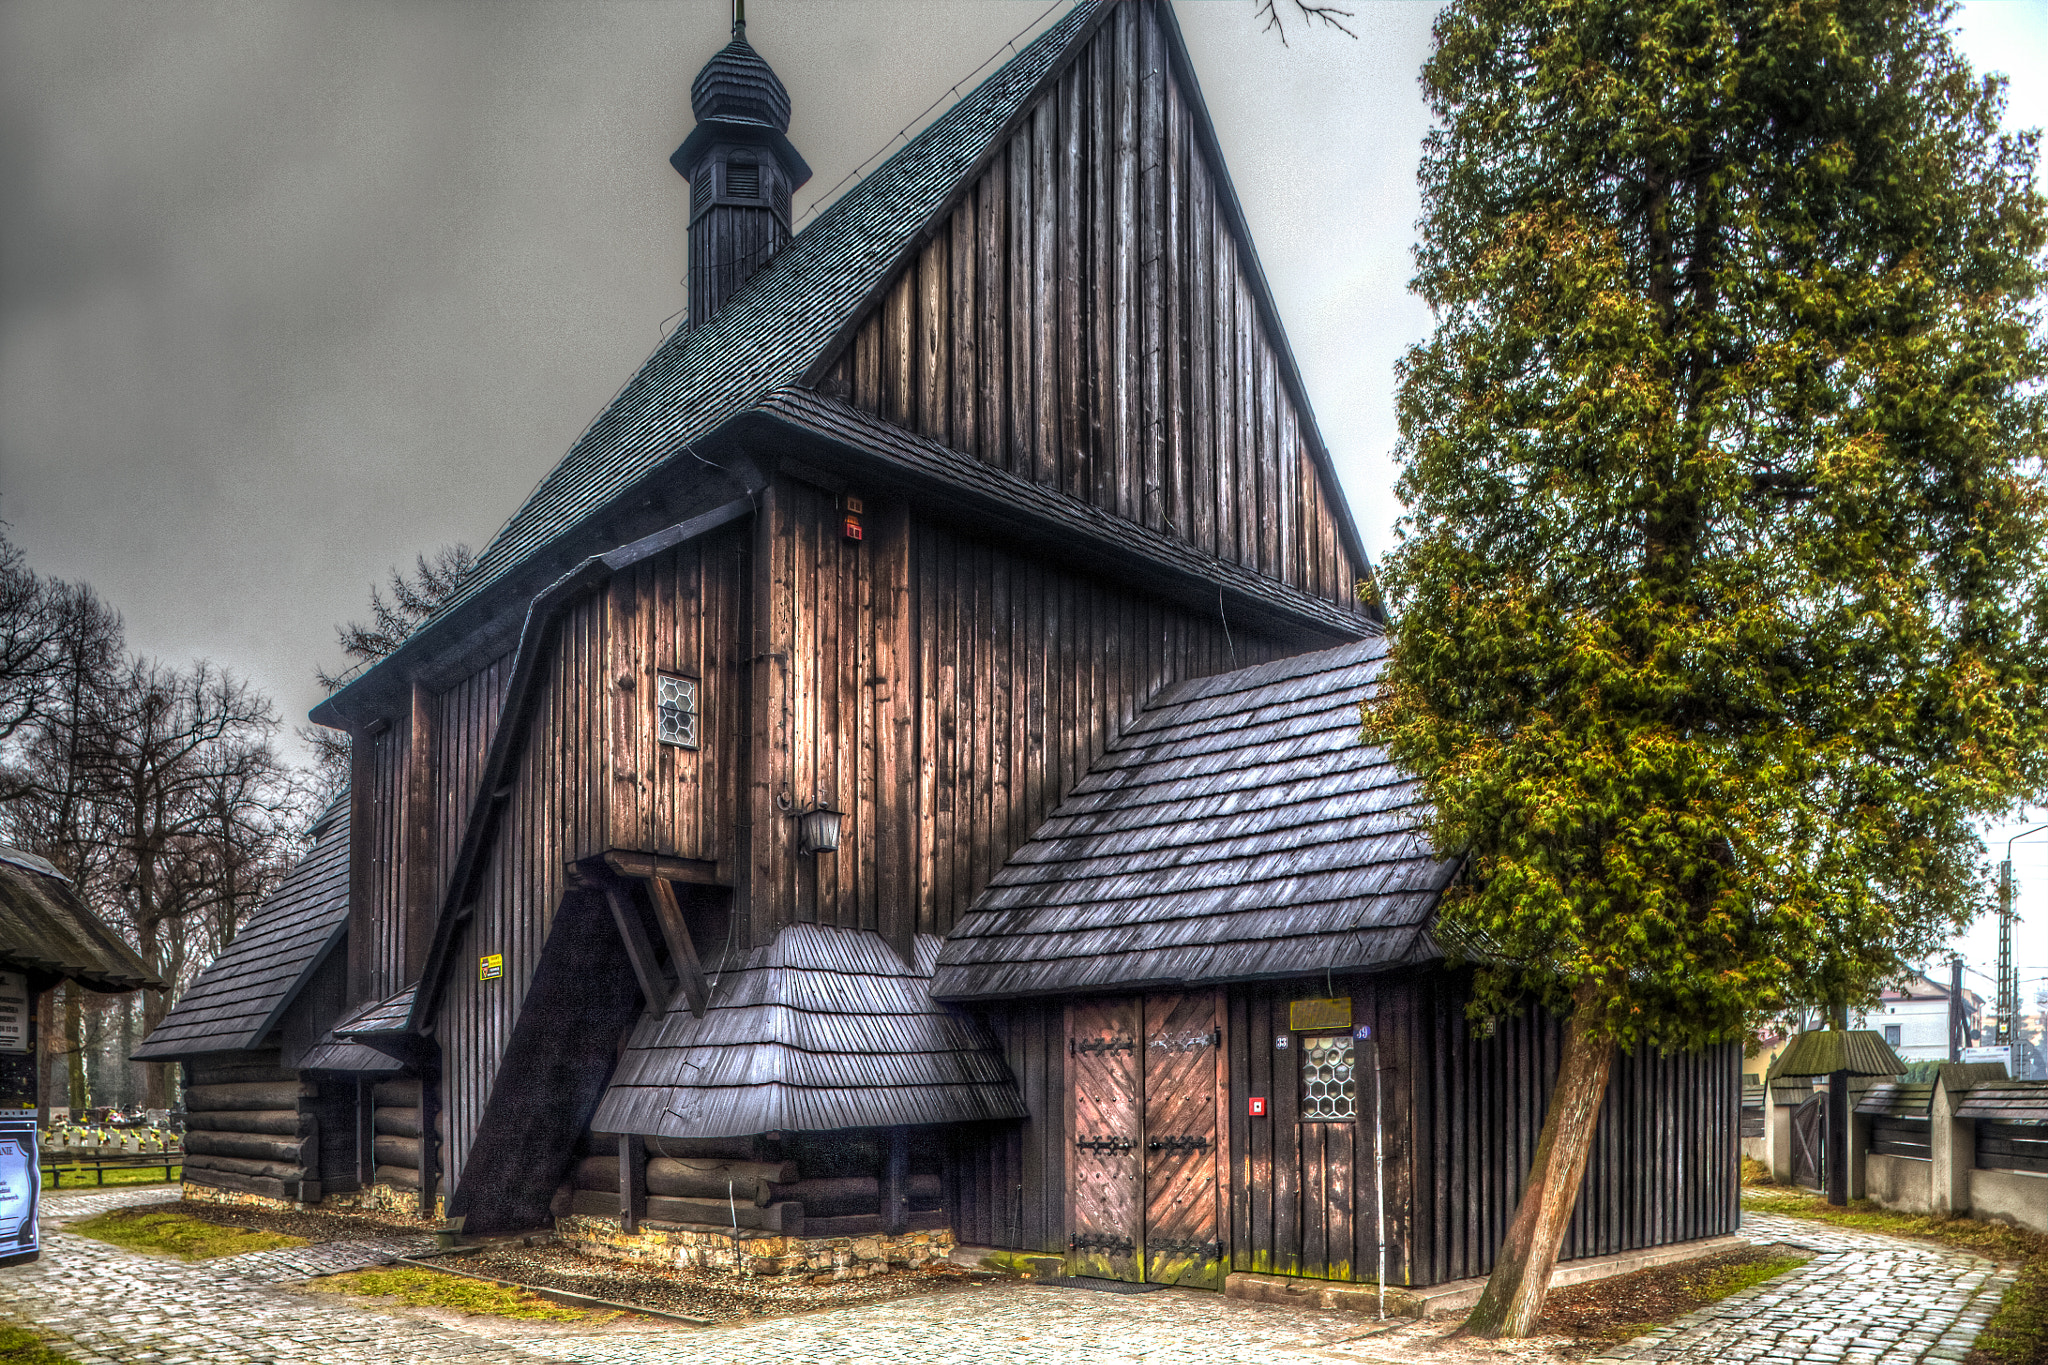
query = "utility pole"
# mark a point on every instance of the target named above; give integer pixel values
(1958, 1023)
(2008, 978)
(2007, 1034)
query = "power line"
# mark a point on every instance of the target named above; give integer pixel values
(903, 133)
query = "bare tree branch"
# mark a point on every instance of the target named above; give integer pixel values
(1329, 15)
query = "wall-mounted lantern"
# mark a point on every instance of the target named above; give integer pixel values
(817, 830)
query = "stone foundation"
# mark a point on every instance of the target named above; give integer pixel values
(386, 1203)
(752, 1252)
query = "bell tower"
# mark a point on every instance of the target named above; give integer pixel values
(742, 171)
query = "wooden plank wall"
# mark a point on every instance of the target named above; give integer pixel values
(1085, 319)
(556, 813)
(678, 612)
(944, 692)
(1006, 1183)
(376, 941)
(1664, 1162)
(466, 717)
(1302, 1198)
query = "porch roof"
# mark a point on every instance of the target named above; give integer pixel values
(1239, 829)
(821, 1029)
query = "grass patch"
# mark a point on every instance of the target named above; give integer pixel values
(169, 1232)
(85, 1180)
(2018, 1331)
(21, 1347)
(426, 1289)
(1626, 1306)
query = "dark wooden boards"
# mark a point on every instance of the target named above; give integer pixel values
(1064, 325)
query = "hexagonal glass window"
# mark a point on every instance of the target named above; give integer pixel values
(1328, 1090)
(676, 710)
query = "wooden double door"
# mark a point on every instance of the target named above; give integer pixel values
(1146, 1131)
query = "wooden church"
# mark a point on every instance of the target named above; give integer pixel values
(900, 772)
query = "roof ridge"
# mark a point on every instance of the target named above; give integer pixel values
(891, 204)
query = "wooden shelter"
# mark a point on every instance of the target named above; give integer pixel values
(902, 765)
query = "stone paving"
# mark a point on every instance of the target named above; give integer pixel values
(1863, 1300)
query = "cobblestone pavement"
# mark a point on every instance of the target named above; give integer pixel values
(1864, 1300)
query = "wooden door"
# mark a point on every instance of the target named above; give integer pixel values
(1809, 1143)
(1336, 1137)
(1183, 1230)
(1105, 1120)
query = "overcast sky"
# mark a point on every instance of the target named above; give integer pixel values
(293, 290)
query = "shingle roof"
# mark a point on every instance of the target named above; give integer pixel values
(781, 321)
(1897, 1099)
(821, 1029)
(2006, 1101)
(388, 1016)
(1238, 829)
(238, 998)
(46, 929)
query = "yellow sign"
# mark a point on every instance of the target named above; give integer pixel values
(1308, 1016)
(490, 967)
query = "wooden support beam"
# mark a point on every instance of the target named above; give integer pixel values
(896, 1183)
(682, 952)
(696, 871)
(632, 1181)
(654, 986)
(366, 1134)
(422, 889)
(430, 1130)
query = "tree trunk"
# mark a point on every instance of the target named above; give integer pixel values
(74, 1050)
(1512, 1303)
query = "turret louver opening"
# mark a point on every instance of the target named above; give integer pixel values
(742, 171)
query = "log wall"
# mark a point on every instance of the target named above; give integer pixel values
(1087, 318)
(251, 1126)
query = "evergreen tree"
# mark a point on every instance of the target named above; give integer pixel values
(1720, 602)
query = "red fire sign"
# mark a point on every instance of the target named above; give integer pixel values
(1258, 1106)
(852, 528)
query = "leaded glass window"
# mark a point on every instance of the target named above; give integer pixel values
(1328, 1090)
(676, 711)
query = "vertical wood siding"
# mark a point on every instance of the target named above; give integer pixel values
(944, 693)
(1663, 1166)
(590, 776)
(1302, 1195)
(556, 814)
(1084, 319)
(1006, 1183)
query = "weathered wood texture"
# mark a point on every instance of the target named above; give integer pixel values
(1303, 1199)
(1235, 830)
(943, 692)
(253, 1126)
(1006, 1184)
(1664, 1162)
(1087, 318)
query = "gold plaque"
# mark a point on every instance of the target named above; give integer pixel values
(1312, 1016)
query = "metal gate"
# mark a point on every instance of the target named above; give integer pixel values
(1144, 1122)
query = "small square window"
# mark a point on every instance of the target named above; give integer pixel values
(1891, 1035)
(676, 711)
(1328, 1088)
